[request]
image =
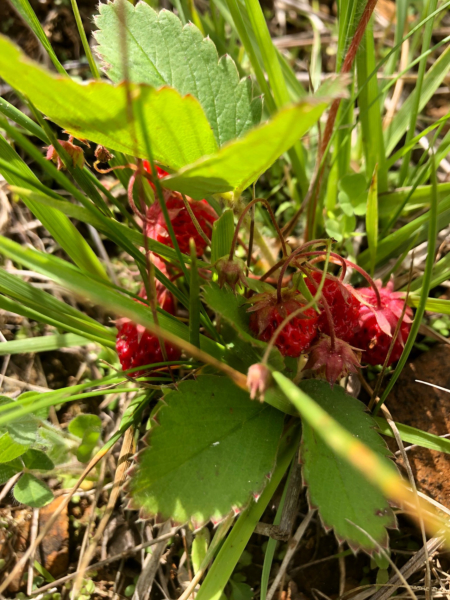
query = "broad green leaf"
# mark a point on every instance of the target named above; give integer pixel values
(342, 495)
(82, 423)
(44, 343)
(60, 227)
(9, 449)
(160, 51)
(88, 428)
(232, 308)
(7, 470)
(222, 235)
(239, 163)
(24, 430)
(32, 491)
(37, 460)
(199, 548)
(178, 129)
(212, 449)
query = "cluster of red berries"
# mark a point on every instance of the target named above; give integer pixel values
(352, 325)
(135, 345)
(345, 327)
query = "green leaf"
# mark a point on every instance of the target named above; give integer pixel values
(24, 430)
(342, 495)
(211, 450)
(179, 131)
(81, 423)
(415, 436)
(61, 228)
(222, 236)
(107, 297)
(9, 449)
(353, 194)
(199, 548)
(232, 308)
(32, 491)
(7, 470)
(372, 220)
(37, 460)
(88, 428)
(240, 162)
(160, 51)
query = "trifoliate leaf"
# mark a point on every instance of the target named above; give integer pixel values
(212, 449)
(9, 449)
(37, 460)
(32, 491)
(160, 51)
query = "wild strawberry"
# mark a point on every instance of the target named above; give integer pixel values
(183, 226)
(137, 347)
(160, 172)
(377, 324)
(164, 298)
(267, 314)
(333, 360)
(343, 304)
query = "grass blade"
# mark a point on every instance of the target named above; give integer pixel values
(432, 236)
(372, 220)
(23, 7)
(84, 40)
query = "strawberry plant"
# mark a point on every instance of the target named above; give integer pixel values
(236, 333)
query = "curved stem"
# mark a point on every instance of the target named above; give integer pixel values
(295, 254)
(241, 219)
(322, 257)
(369, 279)
(134, 208)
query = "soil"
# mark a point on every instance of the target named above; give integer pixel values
(428, 409)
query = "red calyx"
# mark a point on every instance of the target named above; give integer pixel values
(343, 305)
(266, 315)
(376, 325)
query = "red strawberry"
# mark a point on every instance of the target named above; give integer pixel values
(377, 325)
(164, 298)
(160, 172)
(183, 226)
(344, 306)
(137, 347)
(267, 314)
(333, 362)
